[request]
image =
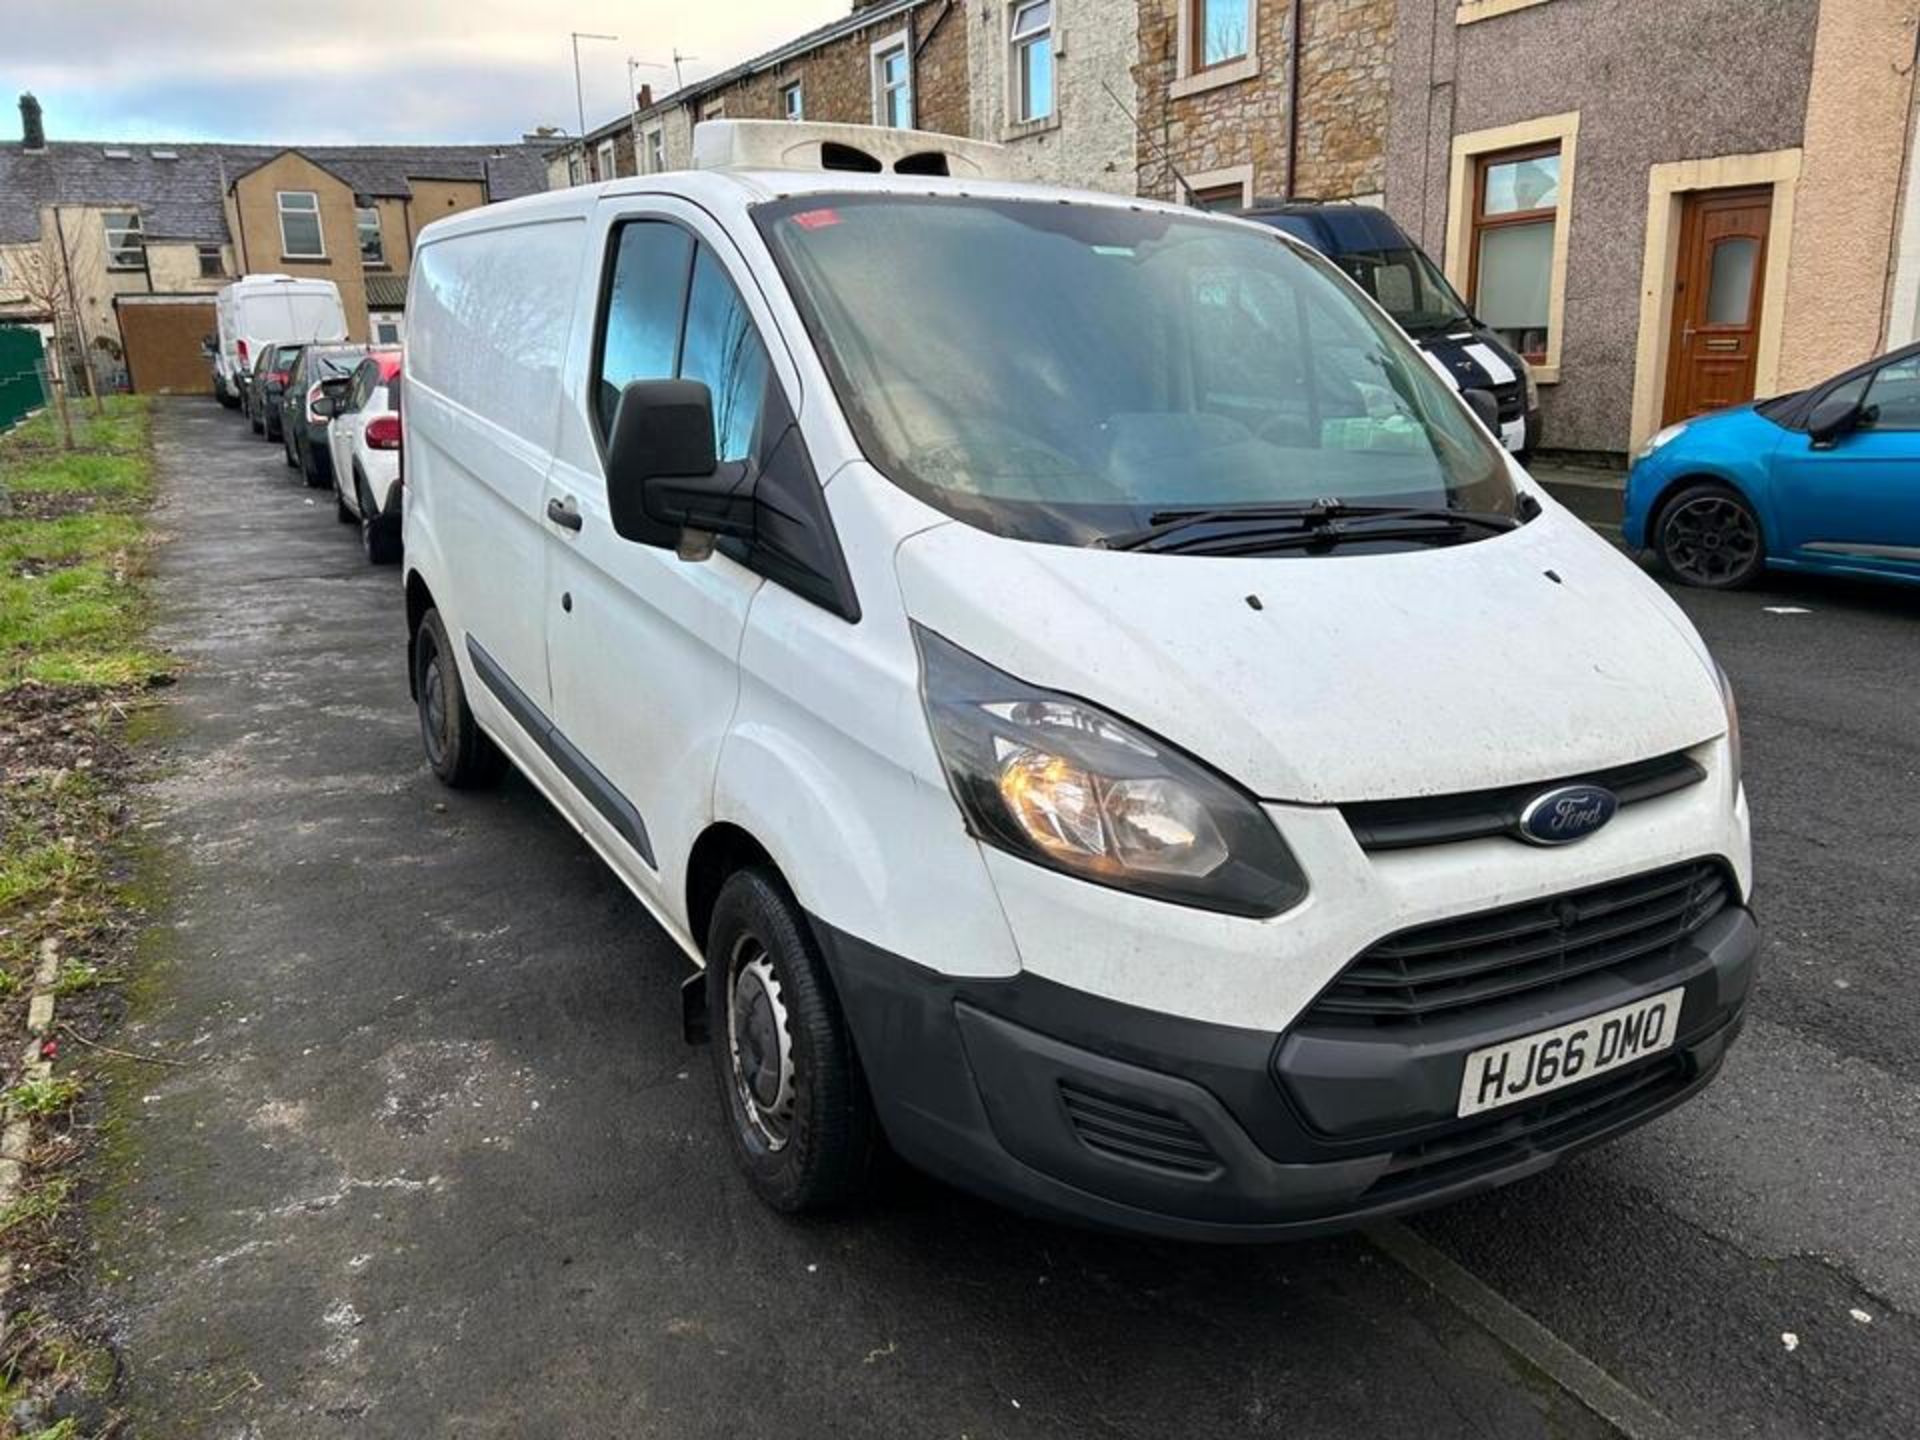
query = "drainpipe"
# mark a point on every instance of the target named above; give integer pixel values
(1293, 99)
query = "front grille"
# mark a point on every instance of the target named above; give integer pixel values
(1447, 967)
(1442, 819)
(1128, 1130)
(1512, 400)
(1509, 1137)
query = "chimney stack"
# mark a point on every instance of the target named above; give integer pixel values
(33, 133)
(644, 98)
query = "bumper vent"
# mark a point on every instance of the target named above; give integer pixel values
(1127, 1130)
(1512, 400)
(1440, 819)
(1484, 959)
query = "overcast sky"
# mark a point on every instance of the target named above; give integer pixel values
(360, 70)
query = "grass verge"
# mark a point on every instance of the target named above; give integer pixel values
(74, 662)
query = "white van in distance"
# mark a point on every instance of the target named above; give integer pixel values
(1103, 716)
(260, 310)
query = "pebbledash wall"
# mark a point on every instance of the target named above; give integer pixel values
(1650, 101)
(1229, 126)
(1089, 139)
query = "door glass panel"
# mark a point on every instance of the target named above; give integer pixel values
(643, 310)
(724, 350)
(1512, 279)
(1516, 185)
(1730, 287)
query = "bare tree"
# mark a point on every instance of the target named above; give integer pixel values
(37, 274)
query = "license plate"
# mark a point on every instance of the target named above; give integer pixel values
(1554, 1059)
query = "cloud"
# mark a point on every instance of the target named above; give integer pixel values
(355, 70)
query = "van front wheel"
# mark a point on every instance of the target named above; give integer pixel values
(458, 751)
(797, 1106)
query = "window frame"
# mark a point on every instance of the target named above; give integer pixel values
(1020, 46)
(287, 252)
(1462, 180)
(1197, 62)
(211, 250)
(1480, 222)
(133, 232)
(1873, 380)
(605, 166)
(878, 54)
(361, 213)
(656, 139)
(793, 105)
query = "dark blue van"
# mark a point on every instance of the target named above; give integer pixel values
(1383, 260)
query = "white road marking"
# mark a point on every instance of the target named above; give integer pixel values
(1786, 609)
(1573, 1372)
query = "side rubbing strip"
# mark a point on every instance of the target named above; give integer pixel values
(614, 807)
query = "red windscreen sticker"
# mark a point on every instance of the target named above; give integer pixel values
(816, 219)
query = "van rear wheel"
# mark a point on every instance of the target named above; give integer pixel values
(797, 1107)
(458, 751)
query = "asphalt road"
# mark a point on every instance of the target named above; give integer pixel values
(442, 1164)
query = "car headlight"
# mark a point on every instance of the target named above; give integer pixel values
(1659, 438)
(1733, 724)
(1064, 784)
(1533, 386)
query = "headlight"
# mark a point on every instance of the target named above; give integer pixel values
(1533, 386)
(1733, 725)
(1062, 783)
(1659, 438)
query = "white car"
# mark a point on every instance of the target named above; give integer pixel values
(1093, 703)
(363, 440)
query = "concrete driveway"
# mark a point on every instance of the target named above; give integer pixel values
(443, 1165)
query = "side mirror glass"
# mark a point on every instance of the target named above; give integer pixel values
(327, 405)
(1485, 408)
(665, 486)
(1833, 417)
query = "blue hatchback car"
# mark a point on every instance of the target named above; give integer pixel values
(1827, 479)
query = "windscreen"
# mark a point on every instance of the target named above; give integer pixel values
(1408, 287)
(1064, 372)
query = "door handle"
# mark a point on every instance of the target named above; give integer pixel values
(562, 513)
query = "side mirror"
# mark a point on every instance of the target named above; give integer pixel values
(1485, 407)
(327, 406)
(1832, 418)
(665, 487)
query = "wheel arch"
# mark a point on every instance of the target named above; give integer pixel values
(1703, 475)
(419, 602)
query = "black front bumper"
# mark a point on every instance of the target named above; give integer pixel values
(1068, 1105)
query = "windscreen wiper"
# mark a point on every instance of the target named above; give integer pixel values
(1193, 529)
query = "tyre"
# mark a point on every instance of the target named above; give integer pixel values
(1709, 536)
(287, 449)
(341, 511)
(458, 752)
(796, 1103)
(227, 402)
(379, 534)
(253, 419)
(318, 470)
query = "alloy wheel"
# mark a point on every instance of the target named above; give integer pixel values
(1710, 540)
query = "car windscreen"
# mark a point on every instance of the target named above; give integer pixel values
(1408, 286)
(1062, 372)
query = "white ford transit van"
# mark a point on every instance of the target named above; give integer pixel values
(1104, 717)
(256, 311)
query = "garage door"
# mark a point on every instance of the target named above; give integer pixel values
(163, 339)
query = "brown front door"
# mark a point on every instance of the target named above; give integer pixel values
(1716, 300)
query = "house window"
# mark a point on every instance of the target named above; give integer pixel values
(576, 167)
(386, 330)
(300, 226)
(1032, 41)
(373, 250)
(603, 161)
(892, 84)
(1516, 206)
(1222, 30)
(790, 105)
(656, 151)
(212, 263)
(714, 110)
(124, 248)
